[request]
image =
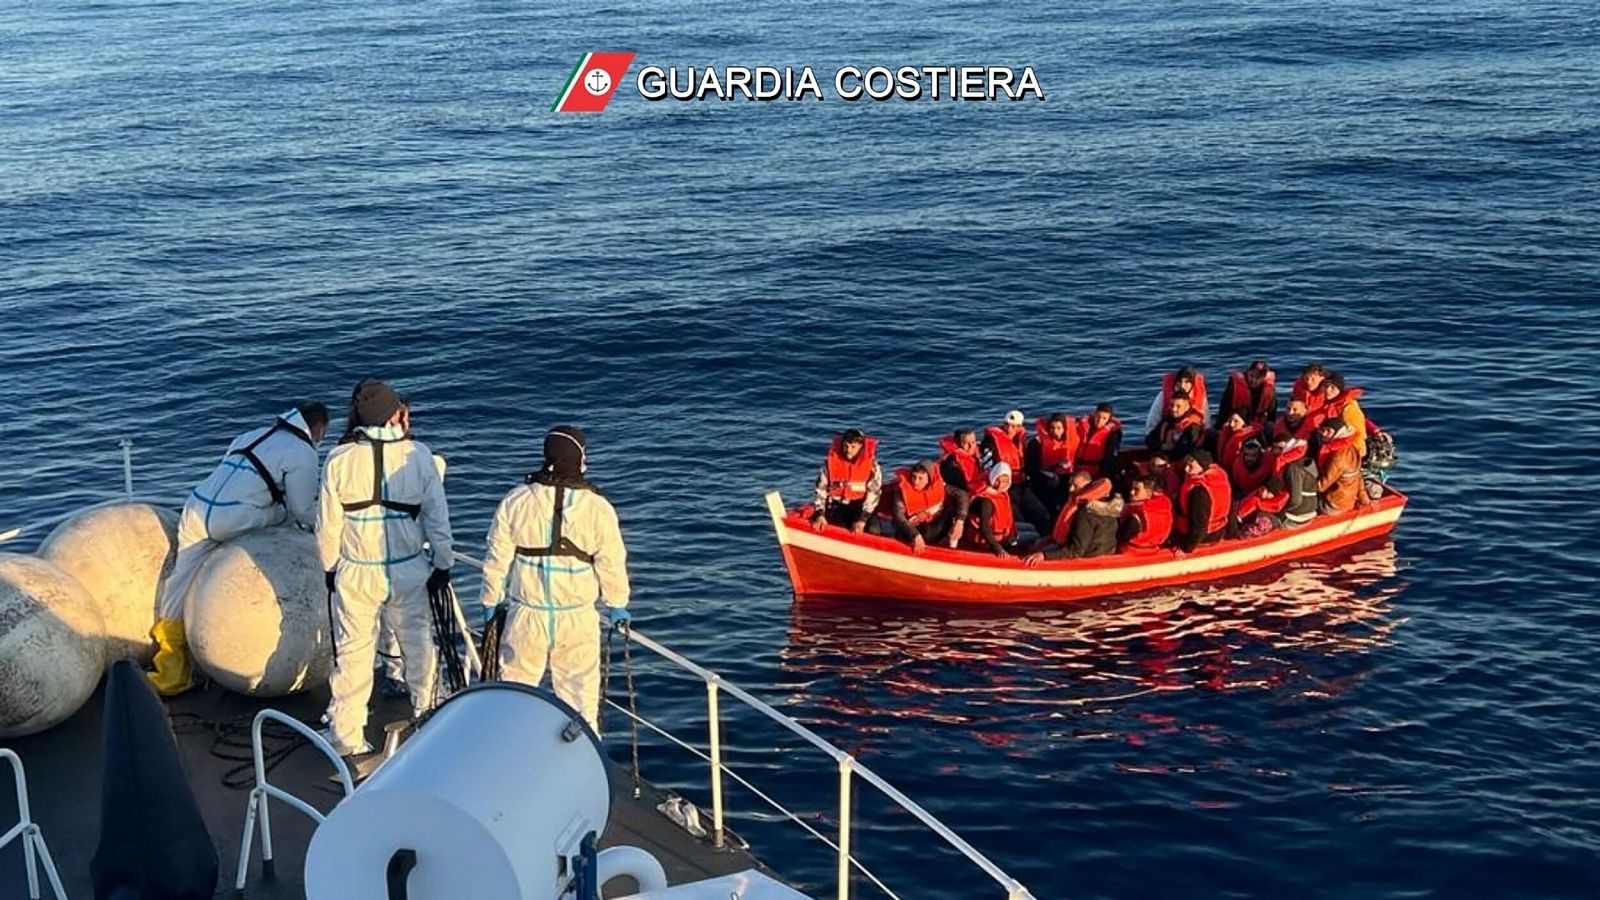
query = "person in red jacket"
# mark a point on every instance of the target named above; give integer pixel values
(849, 483)
(991, 524)
(924, 510)
(1205, 502)
(1308, 386)
(1146, 519)
(1230, 439)
(1253, 394)
(1297, 422)
(1181, 430)
(1099, 442)
(1186, 381)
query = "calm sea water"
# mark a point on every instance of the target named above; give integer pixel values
(208, 210)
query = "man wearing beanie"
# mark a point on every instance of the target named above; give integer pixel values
(1205, 501)
(555, 557)
(382, 498)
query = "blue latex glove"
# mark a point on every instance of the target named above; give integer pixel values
(619, 616)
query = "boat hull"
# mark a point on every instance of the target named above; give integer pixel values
(837, 563)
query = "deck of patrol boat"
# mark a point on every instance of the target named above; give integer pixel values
(64, 776)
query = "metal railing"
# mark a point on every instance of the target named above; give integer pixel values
(849, 768)
(256, 810)
(34, 851)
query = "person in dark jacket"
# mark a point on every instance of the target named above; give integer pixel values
(1195, 503)
(1180, 431)
(941, 525)
(1093, 533)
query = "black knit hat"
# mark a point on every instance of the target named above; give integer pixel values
(375, 402)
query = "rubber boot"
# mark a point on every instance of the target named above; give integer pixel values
(172, 663)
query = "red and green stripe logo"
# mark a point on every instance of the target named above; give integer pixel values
(592, 82)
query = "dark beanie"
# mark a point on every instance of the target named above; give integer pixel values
(1201, 457)
(374, 402)
(563, 451)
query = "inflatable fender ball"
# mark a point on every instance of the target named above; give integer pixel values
(257, 615)
(52, 645)
(121, 554)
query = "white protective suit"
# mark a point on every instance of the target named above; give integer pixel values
(235, 499)
(383, 568)
(554, 618)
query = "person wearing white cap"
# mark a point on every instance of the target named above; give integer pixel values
(267, 476)
(992, 525)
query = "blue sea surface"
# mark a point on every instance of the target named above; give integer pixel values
(208, 210)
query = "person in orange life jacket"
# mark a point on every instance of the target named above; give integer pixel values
(1288, 498)
(1182, 430)
(1008, 444)
(849, 483)
(959, 465)
(1250, 469)
(1341, 404)
(1338, 469)
(991, 524)
(1253, 394)
(1099, 442)
(1308, 386)
(924, 510)
(1049, 458)
(1297, 422)
(1185, 380)
(1230, 438)
(1087, 525)
(1205, 502)
(1146, 519)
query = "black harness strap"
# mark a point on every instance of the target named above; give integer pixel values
(560, 544)
(248, 451)
(411, 509)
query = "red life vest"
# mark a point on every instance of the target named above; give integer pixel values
(1005, 526)
(847, 479)
(1333, 409)
(1314, 401)
(1056, 456)
(1169, 430)
(1214, 482)
(1276, 502)
(1230, 442)
(1098, 489)
(1307, 427)
(975, 481)
(1092, 443)
(1247, 480)
(1155, 522)
(924, 505)
(1239, 396)
(1008, 448)
(1197, 394)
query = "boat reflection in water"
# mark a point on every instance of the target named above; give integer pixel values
(1014, 676)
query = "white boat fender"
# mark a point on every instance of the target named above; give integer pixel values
(631, 862)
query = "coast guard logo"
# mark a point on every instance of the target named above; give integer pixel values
(592, 82)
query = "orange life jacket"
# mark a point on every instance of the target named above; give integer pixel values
(1276, 502)
(1214, 482)
(1098, 489)
(1005, 525)
(1056, 456)
(1239, 396)
(1169, 430)
(1155, 522)
(847, 479)
(924, 505)
(975, 481)
(1306, 428)
(1326, 452)
(1314, 401)
(1092, 443)
(1008, 448)
(1230, 442)
(1197, 394)
(1247, 480)
(1333, 409)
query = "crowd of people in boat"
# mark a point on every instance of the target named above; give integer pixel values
(1252, 471)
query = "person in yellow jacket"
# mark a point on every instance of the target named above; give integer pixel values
(267, 477)
(1343, 402)
(555, 561)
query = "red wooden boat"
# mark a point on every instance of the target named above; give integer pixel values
(838, 563)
